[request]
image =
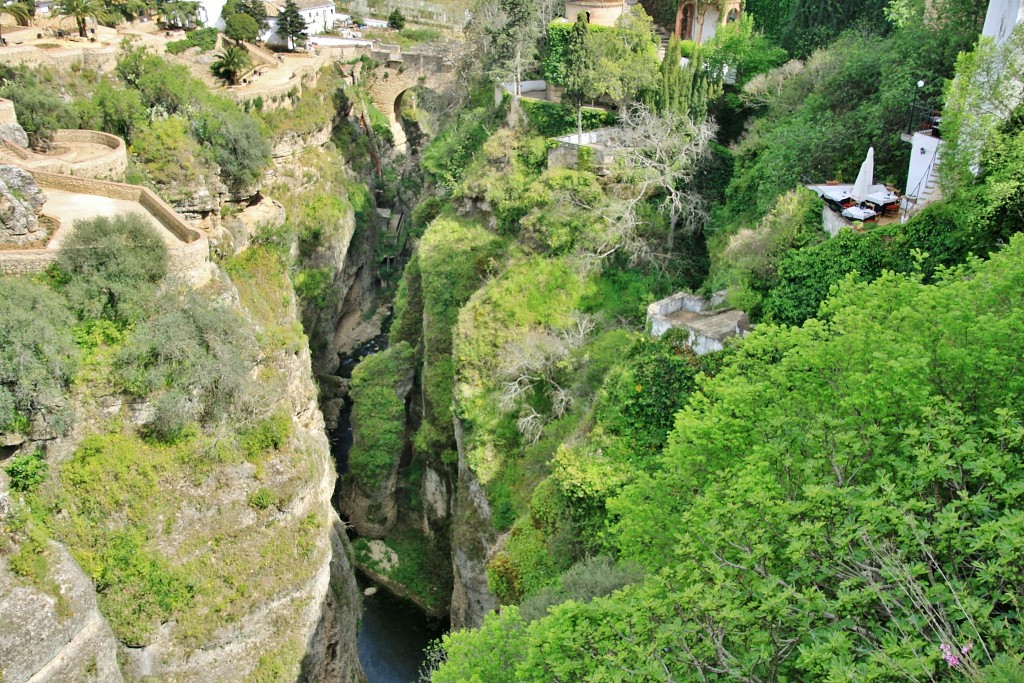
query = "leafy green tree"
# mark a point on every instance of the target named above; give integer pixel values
(396, 19)
(255, 9)
(579, 65)
(291, 26)
(19, 11)
(81, 11)
(627, 58)
(110, 267)
(231, 63)
(241, 27)
(37, 356)
(179, 12)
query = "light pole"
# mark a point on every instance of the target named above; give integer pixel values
(910, 121)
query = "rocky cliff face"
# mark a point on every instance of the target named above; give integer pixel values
(274, 593)
(53, 633)
(474, 542)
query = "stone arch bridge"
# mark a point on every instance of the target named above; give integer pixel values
(401, 72)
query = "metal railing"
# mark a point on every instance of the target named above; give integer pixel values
(924, 117)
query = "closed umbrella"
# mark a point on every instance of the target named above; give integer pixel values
(865, 178)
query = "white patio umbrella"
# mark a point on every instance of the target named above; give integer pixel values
(865, 178)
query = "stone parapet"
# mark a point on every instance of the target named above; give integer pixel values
(189, 258)
(101, 57)
(109, 165)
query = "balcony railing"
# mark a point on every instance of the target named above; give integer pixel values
(925, 118)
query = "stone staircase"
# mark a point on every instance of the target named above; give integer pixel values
(931, 192)
(663, 38)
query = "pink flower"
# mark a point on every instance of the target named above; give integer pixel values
(952, 659)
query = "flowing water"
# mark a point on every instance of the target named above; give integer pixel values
(393, 638)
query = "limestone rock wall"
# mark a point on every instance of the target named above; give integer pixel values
(474, 542)
(56, 634)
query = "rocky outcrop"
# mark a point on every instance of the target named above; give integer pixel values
(237, 230)
(370, 501)
(434, 500)
(474, 542)
(340, 325)
(21, 202)
(14, 134)
(292, 144)
(54, 633)
(314, 620)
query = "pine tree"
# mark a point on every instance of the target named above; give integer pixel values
(515, 41)
(579, 62)
(291, 26)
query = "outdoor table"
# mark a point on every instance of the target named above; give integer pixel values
(859, 214)
(882, 198)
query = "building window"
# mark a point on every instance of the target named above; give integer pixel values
(734, 14)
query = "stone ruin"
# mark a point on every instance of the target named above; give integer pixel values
(707, 322)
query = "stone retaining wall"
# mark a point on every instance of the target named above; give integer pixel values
(111, 165)
(189, 259)
(102, 57)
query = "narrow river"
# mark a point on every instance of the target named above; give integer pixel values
(394, 634)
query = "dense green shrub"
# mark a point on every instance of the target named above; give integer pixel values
(588, 579)
(551, 119)
(110, 267)
(269, 434)
(119, 111)
(378, 414)
(448, 155)
(236, 140)
(203, 38)
(37, 356)
(26, 472)
(40, 110)
(192, 360)
(643, 393)
(553, 66)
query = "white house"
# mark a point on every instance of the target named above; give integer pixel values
(320, 16)
(926, 127)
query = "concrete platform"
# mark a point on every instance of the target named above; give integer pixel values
(68, 207)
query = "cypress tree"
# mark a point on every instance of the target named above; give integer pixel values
(291, 26)
(579, 61)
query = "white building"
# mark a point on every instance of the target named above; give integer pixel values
(320, 16)
(924, 135)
